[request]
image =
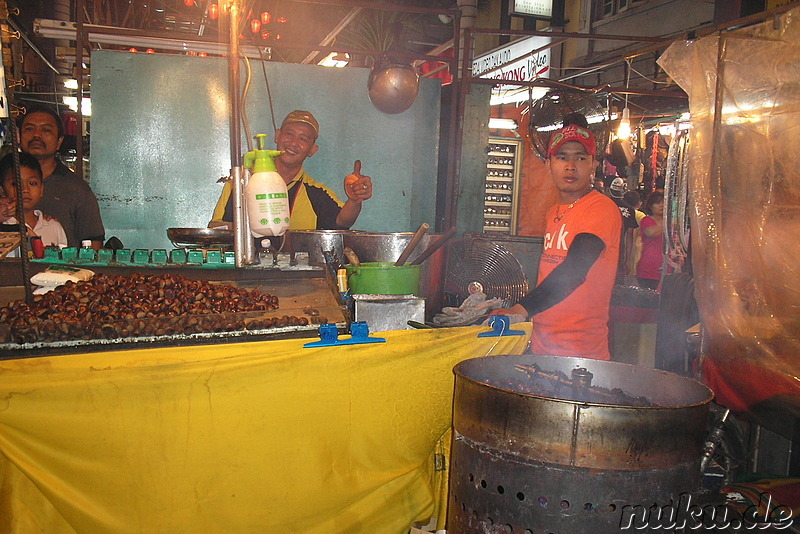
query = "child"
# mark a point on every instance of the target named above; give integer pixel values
(48, 229)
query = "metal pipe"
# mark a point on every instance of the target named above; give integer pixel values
(570, 35)
(448, 218)
(242, 243)
(80, 37)
(53, 29)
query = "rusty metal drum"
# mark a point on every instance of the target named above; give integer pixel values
(559, 445)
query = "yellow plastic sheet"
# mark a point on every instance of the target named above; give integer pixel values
(234, 438)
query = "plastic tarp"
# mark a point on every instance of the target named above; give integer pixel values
(241, 437)
(744, 178)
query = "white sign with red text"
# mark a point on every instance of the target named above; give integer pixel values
(515, 62)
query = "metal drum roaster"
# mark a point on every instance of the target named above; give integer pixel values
(560, 445)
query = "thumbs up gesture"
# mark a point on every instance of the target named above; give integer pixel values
(357, 186)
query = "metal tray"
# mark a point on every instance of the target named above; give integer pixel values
(203, 237)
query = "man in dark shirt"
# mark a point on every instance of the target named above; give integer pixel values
(67, 197)
(617, 191)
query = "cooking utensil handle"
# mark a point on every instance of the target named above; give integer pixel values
(434, 246)
(412, 245)
(352, 256)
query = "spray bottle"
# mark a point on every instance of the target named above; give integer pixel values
(266, 197)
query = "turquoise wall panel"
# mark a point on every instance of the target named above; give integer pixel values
(160, 140)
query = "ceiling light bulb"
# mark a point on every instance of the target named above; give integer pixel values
(624, 131)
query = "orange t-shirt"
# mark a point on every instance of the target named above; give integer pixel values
(578, 325)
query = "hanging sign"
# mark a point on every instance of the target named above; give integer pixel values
(521, 61)
(535, 8)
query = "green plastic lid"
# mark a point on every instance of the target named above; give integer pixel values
(261, 160)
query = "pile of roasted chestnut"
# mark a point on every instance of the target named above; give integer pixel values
(111, 307)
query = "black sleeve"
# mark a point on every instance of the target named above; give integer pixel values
(582, 253)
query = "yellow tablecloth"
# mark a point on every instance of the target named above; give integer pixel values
(232, 438)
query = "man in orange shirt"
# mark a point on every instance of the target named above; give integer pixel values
(571, 300)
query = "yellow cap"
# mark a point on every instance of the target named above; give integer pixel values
(306, 117)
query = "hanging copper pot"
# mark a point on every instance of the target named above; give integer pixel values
(393, 88)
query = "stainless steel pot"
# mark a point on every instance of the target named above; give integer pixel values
(315, 241)
(540, 451)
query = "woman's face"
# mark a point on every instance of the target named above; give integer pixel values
(657, 208)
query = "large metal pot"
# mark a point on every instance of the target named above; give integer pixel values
(536, 449)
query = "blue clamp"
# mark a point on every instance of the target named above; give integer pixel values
(329, 336)
(500, 324)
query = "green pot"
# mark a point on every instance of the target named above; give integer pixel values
(383, 278)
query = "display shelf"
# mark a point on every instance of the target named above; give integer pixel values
(501, 185)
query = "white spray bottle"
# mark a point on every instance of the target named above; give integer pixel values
(266, 197)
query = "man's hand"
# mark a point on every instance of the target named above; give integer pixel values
(516, 309)
(357, 186)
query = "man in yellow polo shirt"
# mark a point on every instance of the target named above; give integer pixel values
(313, 206)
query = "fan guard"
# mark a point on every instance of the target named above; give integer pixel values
(484, 262)
(548, 114)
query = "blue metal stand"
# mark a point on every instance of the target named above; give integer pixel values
(329, 336)
(500, 325)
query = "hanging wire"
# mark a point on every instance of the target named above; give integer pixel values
(627, 80)
(266, 82)
(645, 77)
(243, 110)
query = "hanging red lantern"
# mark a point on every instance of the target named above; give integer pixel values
(202, 54)
(281, 19)
(150, 51)
(189, 3)
(213, 11)
(255, 25)
(265, 17)
(192, 53)
(132, 50)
